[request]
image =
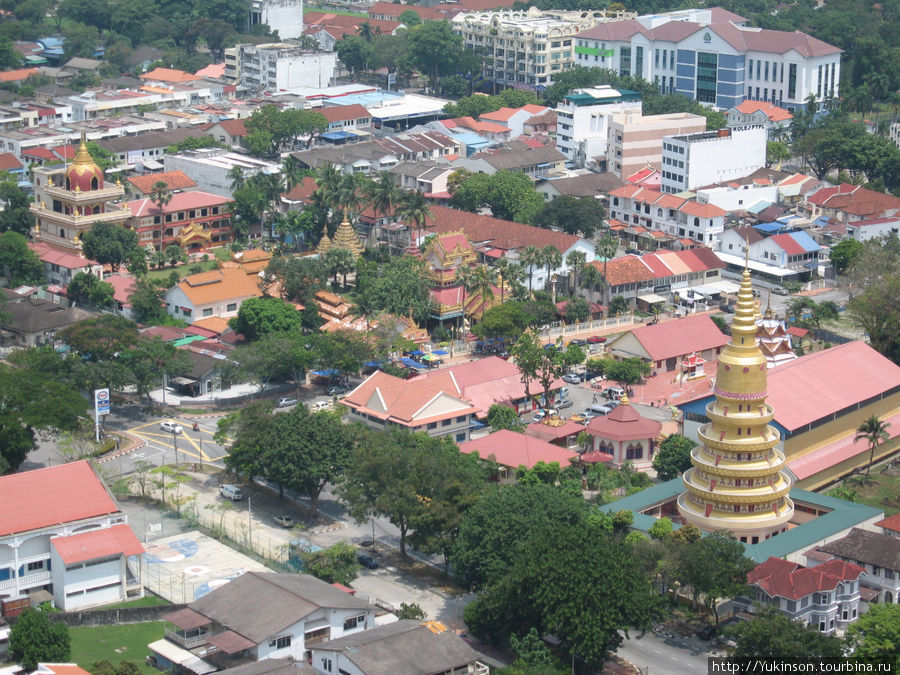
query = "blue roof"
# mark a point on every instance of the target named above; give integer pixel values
(808, 243)
(337, 135)
(409, 363)
(771, 228)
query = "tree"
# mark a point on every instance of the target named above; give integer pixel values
(478, 280)
(874, 432)
(35, 638)
(435, 49)
(334, 565)
(772, 635)
(777, 152)
(412, 480)
(88, 289)
(410, 611)
(626, 372)
(150, 360)
(147, 302)
(18, 263)
(844, 253)
(510, 195)
(580, 583)
(503, 417)
(551, 258)
(874, 635)
(413, 208)
(605, 249)
(577, 310)
(100, 338)
(497, 529)
(531, 651)
(531, 258)
(573, 215)
(109, 244)
(508, 320)
(661, 529)
(262, 316)
(105, 667)
(410, 19)
(400, 287)
(339, 261)
(716, 567)
(16, 215)
(674, 457)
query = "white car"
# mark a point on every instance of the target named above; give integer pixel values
(319, 405)
(170, 427)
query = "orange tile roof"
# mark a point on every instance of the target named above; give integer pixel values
(512, 449)
(215, 324)
(16, 75)
(626, 270)
(60, 669)
(406, 402)
(110, 541)
(77, 494)
(174, 180)
(219, 285)
(169, 75)
(701, 210)
(772, 111)
(890, 523)
(502, 234)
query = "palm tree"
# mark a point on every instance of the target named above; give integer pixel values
(383, 195)
(237, 177)
(531, 258)
(291, 172)
(413, 207)
(160, 194)
(590, 277)
(606, 248)
(551, 258)
(339, 261)
(480, 279)
(508, 273)
(271, 186)
(874, 431)
(576, 260)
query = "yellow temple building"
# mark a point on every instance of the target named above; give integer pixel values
(737, 481)
(344, 237)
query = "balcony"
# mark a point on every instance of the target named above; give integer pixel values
(187, 641)
(34, 579)
(111, 215)
(103, 194)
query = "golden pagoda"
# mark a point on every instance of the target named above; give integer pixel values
(324, 244)
(345, 237)
(737, 481)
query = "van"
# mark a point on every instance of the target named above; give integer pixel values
(614, 393)
(232, 492)
(598, 409)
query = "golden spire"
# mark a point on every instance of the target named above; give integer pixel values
(345, 237)
(83, 156)
(770, 313)
(624, 400)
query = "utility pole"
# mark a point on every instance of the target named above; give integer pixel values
(249, 523)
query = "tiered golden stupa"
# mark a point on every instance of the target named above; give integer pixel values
(737, 481)
(345, 237)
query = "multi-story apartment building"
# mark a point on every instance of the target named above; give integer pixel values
(713, 57)
(525, 49)
(677, 216)
(696, 160)
(278, 66)
(824, 597)
(582, 121)
(635, 141)
(285, 16)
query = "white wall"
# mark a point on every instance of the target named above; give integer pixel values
(731, 199)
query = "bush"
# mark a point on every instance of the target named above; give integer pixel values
(35, 637)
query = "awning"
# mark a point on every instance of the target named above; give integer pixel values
(409, 363)
(181, 657)
(231, 642)
(152, 164)
(440, 352)
(811, 264)
(182, 381)
(186, 619)
(109, 541)
(651, 298)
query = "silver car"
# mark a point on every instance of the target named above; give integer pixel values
(170, 427)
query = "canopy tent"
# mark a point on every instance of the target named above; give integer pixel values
(409, 363)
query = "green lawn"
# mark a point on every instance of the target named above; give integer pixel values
(879, 490)
(126, 642)
(148, 600)
(183, 270)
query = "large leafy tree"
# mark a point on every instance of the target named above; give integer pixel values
(35, 638)
(100, 338)
(581, 583)
(262, 316)
(508, 320)
(149, 360)
(510, 195)
(341, 350)
(716, 567)
(18, 263)
(110, 244)
(844, 253)
(418, 482)
(771, 634)
(436, 50)
(574, 215)
(674, 457)
(88, 289)
(874, 636)
(147, 302)
(15, 215)
(400, 287)
(544, 364)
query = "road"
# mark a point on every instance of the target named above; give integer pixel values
(658, 654)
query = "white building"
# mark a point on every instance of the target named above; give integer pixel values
(635, 141)
(284, 16)
(524, 49)
(705, 158)
(61, 531)
(278, 66)
(776, 120)
(878, 554)
(582, 121)
(738, 197)
(677, 216)
(713, 57)
(209, 167)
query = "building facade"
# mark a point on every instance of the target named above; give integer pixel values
(284, 16)
(278, 66)
(738, 480)
(635, 141)
(190, 219)
(696, 160)
(582, 122)
(712, 57)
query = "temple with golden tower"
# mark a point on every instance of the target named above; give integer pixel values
(70, 201)
(738, 480)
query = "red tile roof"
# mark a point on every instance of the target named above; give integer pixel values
(110, 541)
(8, 162)
(180, 201)
(512, 449)
(841, 376)
(343, 113)
(395, 10)
(123, 287)
(788, 244)
(234, 127)
(77, 494)
(702, 210)
(17, 75)
(302, 191)
(624, 423)
(790, 580)
(625, 270)
(168, 75)
(891, 523)
(679, 337)
(772, 111)
(772, 41)
(48, 254)
(174, 180)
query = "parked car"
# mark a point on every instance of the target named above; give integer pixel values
(725, 307)
(541, 414)
(572, 378)
(284, 521)
(596, 339)
(598, 409)
(613, 393)
(319, 405)
(366, 560)
(566, 403)
(232, 492)
(286, 402)
(170, 427)
(578, 341)
(781, 290)
(612, 404)
(632, 251)
(337, 390)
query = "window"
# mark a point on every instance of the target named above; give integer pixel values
(32, 566)
(791, 604)
(792, 80)
(461, 437)
(707, 76)
(354, 622)
(231, 307)
(326, 664)
(281, 642)
(207, 311)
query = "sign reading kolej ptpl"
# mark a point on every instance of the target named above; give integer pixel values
(101, 401)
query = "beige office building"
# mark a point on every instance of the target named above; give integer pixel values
(635, 141)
